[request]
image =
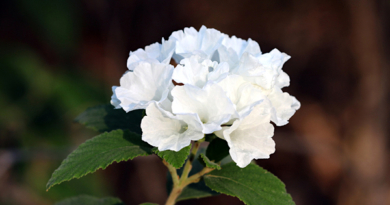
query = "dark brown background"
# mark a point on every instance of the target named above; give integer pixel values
(59, 57)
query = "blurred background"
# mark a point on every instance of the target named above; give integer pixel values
(59, 57)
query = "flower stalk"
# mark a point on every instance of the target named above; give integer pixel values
(180, 183)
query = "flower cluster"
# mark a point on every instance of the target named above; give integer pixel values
(220, 84)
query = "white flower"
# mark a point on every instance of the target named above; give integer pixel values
(166, 131)
(224, 85)
(204, 43)
(158, 53)
(233, 48)
(150, 82)
(251, 137)
(244, 95)
(284, 106)
(210, 103)
(198, 71)
(114, 99)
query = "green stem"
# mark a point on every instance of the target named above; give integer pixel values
(172, 170)
(196, 177)
(188, 165)
(180, 184)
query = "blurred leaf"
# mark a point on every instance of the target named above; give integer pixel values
(217, 149)
(99, 152)
(176, 159)
(253, 185)
(90, 200)
(106, 118)
(206, 161)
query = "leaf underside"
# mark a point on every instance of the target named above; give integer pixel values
(99, 152)
(89, 200)
(106, 118)
(252, 185)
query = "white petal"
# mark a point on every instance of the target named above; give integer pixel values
(252, 48)
(210, 104)
(219, 72)
(168, 132)
(283, 80)
(190, 42)
(150, 82)
(153, 50)
(138, 56)
(191, 72)
(156, 53)
(274, 59)
(238, 45)
(284, 106)
(243, 94)
(251, 137)
(252, 69)
(233, 48)
(166, 51)
(229, 56)
(114, 99)
(211, 40)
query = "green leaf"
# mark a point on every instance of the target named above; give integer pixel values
(99, 152)
(217, 150)
(253, 185)
(89, 200)
(209, 163)
(176, 159)
(196, 191)
(106, 118)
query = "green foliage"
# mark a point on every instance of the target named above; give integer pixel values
(99, 152)
(176, 159)
(206, 161)
(196, 191)
(89, 200)
(252, 185)
(106, 118)
(217, 150)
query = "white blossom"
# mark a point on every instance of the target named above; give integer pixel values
(284, 106)
(156, 52)
(210, 103)
(244, 95)
(198, 71)
(150, 82)
(223, 85)
(250, 138)
(232, 49)
(189, 42)
(170, 132)
(114, 99)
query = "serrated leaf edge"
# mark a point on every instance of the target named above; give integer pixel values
(214, 165)
(102, 167)
(209, 175)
